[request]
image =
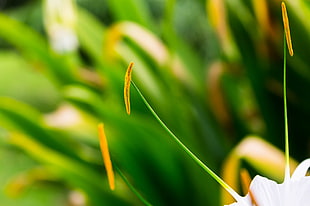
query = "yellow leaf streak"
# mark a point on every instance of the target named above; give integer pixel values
(127, 87)
(106, 155)
(287, 29)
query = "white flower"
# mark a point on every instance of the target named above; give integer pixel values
(63, 39)
(293, 191)
(60, 21)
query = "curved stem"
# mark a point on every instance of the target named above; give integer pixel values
(132, 188)
(192, 155)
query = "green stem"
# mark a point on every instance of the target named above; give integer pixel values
(287, 155)
(131, 187)
(192, 155)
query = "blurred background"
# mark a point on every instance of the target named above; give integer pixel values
(212, 70)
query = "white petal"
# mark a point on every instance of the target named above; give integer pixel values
(266, 192)
(246, 201)
(299, 192)
(294, 191)
(301, 169)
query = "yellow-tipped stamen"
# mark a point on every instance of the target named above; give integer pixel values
(127, 87)
(234, 194)
(106, 155)
(290, 48)
(287, 29)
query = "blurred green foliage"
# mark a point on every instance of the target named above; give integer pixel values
(211, 69)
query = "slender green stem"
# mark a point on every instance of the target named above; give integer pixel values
(131, 187)
(192, 155)
(287, 155)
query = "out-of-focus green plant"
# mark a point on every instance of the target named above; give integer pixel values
(51, 102)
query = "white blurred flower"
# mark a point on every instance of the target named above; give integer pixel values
(293, 191)
(60, 21)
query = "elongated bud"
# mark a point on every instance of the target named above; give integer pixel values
(106, 155)
(287, 29)
(127, 87)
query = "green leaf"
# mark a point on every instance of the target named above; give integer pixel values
(35, 48)
(21, 117)
(132, 10)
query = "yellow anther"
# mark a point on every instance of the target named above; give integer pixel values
(127, 87)
(106, 155)
(287, 29)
